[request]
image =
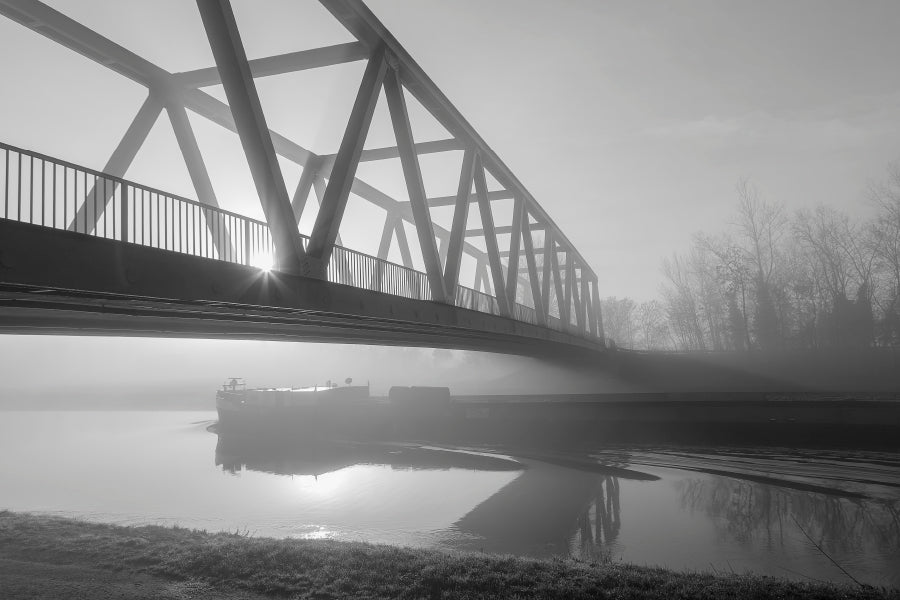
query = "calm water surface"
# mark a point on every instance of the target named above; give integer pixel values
(724, 510)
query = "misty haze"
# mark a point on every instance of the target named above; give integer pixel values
(381, 299)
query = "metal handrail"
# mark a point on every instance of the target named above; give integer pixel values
(130, 211)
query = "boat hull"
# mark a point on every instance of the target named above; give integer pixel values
(291, 414)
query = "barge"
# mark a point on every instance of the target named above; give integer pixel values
(331, 411)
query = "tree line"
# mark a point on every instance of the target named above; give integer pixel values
(817, 278)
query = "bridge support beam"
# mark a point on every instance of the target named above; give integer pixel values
(591, 325)
(568, 282)
(237, 79)
(460, 218)
(557, 285)
(598, 313)
(414, 186)
(340, 181)
(304, 186)
(536, 295)
(120, 160)
(577, 297)
(190, 150)
(547, 271)
(512, 268)
(490, 238)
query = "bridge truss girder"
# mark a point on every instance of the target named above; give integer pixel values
(575, 286)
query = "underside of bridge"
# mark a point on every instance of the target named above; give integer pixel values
(133, 290)
(86, 251)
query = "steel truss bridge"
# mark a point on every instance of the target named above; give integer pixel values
(86, 251)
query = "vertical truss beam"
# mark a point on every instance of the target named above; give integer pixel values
(588, 303)
(536, 294)
(460, 218)
(490, 238)
(557, 283)
(577, 297)
(340, 180)
(568, 282)
(512, 267)
(120, 159)
(416, 189)
(547, 271)
(231, 61)
(598, 313)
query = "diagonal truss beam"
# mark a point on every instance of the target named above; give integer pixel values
(301, 194)
(536, 295)
(190, 150)
(557, 286)
(490, 237)
(414, 186)
(231, 61)
(341, 178)
(121, 159)
(460, 218)
(512, 272)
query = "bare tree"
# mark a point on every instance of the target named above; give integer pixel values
(762, 225)
(654, 328)
(843, 256)
(682, 306)
(885, 231)
(733, 273)
(619, 321)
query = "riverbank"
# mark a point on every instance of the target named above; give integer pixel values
(51, 557)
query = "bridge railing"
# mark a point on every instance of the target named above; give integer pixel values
(350, 267)
(42, 190)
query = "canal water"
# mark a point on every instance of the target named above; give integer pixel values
(783, 512)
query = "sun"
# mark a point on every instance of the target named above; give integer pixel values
(263, 261)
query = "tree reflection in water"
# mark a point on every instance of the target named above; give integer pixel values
(857, 532)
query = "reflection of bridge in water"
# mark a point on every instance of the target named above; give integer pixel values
(563, 505)
(599, 524)
(88, 251)
(544, 511)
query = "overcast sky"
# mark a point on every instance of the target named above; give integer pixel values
(630, 122)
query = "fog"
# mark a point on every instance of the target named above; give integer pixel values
(85, 371)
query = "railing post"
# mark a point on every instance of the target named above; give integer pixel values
(246, 242)
(124, 218)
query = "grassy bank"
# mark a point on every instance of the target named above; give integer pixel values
(40, 555)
